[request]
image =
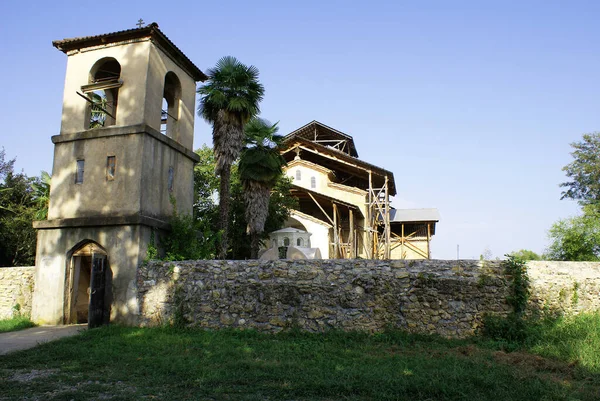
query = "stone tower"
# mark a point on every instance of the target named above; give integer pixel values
(122, 160)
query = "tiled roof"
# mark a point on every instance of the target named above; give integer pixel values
(150, 30)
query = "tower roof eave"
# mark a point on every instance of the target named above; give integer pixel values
(150, 31)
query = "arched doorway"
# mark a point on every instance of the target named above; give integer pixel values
(87, 298)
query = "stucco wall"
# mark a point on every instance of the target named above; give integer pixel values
(16, 288)
(428, 296)
(133, 58)
(320, 233)
(405, 252)
(97, 195)
(125, 246)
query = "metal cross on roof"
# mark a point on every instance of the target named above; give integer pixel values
(140, 23)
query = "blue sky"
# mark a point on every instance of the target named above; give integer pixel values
(472, 105)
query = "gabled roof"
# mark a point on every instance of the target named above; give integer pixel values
(323, 134)
(150, 31)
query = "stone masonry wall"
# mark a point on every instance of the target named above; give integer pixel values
(16, 288)
(565, 287)
(429, 296)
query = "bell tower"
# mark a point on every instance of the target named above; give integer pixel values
(122, 160)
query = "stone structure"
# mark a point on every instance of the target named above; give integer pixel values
(429, 296)
(123, 156)
(443, 297)
(565, 287)
(16, 291)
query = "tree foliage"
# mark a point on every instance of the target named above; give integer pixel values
(260, 167)
(18, 209)
(584, 171)
(189, 239)
(575, 239)
(578, 238)
(525, 254)
(206, 209)
(228, 100)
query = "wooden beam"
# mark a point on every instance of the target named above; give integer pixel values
(332, 157)
(402, 239)
(416, 249)
(387, 221)
(428, 241)
(351, 234)
(336, 239)
(370, 218)
(320, 207)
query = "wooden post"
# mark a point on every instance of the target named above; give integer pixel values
(386, 219)
(370, 220)
(335, 233)
(428, 239)
(402, 255)
(351, 234)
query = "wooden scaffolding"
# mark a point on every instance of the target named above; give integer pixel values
(362, 228)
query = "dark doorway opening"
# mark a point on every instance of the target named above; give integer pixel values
(88, 290)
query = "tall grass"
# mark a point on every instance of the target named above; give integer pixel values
(574, 339)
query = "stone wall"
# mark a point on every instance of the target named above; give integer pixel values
(565, 287)
(16, 288)
(428, 296)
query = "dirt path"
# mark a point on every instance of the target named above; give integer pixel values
(29, 338)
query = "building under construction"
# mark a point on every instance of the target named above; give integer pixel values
(344, 202)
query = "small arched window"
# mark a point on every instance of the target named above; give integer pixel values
(298, 175)
(286, 241)
(300, 242)
(102, 93)
(170, 105)
(313, 182)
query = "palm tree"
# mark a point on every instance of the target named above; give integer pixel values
(260, 167)
(228, 101)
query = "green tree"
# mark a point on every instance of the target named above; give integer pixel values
(41, 195)
(260, 167)
(205, 209)
(575, 239)
(17, 211)
(228, 101)
(525, 254)
(584, 172)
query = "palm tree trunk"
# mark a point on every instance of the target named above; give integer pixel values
(254, 245)
(224, 199)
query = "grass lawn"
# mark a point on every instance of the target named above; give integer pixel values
(121, 363)
(15, 323)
